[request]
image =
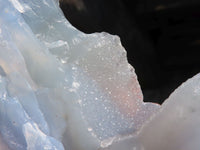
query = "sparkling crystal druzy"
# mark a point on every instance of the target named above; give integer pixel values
(63, 89)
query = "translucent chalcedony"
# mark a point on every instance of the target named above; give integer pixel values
(61, 88)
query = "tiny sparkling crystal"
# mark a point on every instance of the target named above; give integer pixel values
(63, 89)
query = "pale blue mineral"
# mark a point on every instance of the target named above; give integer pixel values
(63, 89)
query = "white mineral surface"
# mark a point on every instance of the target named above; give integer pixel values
(174, 127)
(63, 89)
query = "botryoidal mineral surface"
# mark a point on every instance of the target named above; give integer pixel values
(63, 89)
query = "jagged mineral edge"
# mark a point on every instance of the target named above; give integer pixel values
(63, 89)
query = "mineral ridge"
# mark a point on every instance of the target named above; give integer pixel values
(63, 89)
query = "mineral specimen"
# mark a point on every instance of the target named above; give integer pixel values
(63, 89)
(59, 85)
(174, 127)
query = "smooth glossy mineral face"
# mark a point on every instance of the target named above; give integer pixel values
(63, 89)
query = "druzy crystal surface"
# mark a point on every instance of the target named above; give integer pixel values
(63, 89)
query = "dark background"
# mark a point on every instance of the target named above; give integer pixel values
(162, 37)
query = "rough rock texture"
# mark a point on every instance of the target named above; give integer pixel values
(61, 88)
(174, 127)
(114, 17)
(161, 37)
